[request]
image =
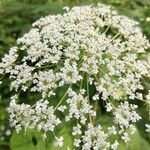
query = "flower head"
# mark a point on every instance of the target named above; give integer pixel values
(92, 52)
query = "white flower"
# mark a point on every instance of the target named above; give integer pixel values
(126, 114)
(69, 73)
(59, 141)
(77, 130)
(8, 60)
(71, 60)
(79, 106)
(77, 142)
(112, 130)
(45, 82)
(66, 8)
(8, 132)
(95, 138)
(62, 108)
(147, 127)
(125, 137)
(108, 107)
(96, 97)
(41, 116)
(115, 145)
(132, 129)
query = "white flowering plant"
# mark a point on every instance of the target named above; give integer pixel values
(80, 64)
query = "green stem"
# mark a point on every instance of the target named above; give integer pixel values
(116, 35)
(114, 107)
(61, 100)
(106, 29)
(95, 109)
(82, 82)
(96, 78)
(46, 66)
(88, 97)
(2, 76)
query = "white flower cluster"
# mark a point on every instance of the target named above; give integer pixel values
(79, 106)
(69, 73)
(95, 138)
(86, 47)
(59, 141)
(8, 60)
(44, 82)
(41, 116)
(126, 114)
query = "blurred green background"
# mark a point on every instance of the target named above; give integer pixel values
(16, 18)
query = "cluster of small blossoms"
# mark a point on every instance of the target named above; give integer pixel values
(125, 115)
(41, 116)
(79, 106)
(95, 138)
(87, 49)
(44, 82)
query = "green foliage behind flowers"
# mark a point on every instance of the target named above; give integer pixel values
(16, 17)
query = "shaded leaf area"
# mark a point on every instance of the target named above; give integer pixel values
(29, 140)
(32, 140)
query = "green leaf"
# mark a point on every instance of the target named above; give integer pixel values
(68, 140)
(2, 114)
(30, 140)
(136, 143)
